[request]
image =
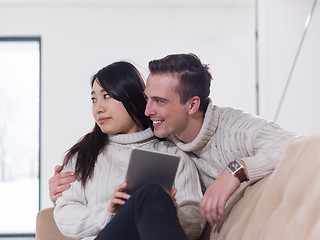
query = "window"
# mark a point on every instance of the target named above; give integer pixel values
(19, 135)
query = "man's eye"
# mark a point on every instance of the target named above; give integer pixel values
(93, 100)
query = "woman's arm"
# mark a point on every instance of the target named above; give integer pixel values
(78, 218)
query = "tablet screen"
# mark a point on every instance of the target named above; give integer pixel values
(150, 166)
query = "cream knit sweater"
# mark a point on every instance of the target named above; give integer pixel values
(228, 134)
(81, 213)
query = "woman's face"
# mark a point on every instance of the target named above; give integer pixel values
(110, 114)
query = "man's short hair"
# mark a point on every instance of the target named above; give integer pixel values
(194, 78)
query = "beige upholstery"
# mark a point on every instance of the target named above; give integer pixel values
(46, 228)
(285, 205)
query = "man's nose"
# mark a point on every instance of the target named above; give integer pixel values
(149, 109)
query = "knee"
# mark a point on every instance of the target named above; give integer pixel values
(152, 191)
(151, 196)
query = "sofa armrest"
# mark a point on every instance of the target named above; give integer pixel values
(284, 205)
(46, 228)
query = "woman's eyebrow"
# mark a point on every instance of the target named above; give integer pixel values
(102, 91)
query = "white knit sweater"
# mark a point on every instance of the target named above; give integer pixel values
(228, 134)
(82, 213)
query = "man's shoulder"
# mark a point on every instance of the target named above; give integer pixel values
(229, 113)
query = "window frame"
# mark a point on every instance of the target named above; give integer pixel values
(30, 39)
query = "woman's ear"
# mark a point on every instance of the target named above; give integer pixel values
(194, 104)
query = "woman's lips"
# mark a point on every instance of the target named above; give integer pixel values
(103, 120)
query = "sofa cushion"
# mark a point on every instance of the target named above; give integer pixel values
(285, 205)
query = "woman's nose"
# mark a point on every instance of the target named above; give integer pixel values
(100, 107)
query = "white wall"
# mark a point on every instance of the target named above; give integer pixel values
(78, 38)
(281, 26)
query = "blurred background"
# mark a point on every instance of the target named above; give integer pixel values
(263, 56)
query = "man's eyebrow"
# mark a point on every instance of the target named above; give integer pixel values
(159, 98)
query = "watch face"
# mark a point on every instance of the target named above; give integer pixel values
(234, 166)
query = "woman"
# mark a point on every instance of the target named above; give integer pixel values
(100, 160)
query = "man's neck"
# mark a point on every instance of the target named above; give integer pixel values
(194, 125)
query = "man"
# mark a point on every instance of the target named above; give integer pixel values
(227, 145)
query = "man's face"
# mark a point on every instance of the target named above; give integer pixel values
(169, 116)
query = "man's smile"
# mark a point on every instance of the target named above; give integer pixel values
(157, 122)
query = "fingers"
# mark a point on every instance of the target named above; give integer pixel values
(119, 192)
(62, 178)
(57, 169)
(212, 209)
(220, 209)
(173, 193)
(121, 187)
(212, 205)
(55, 197)
(207, 210)
(59, 183)
(119, 198)
(55, 191)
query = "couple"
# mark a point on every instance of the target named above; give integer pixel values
(227, 146)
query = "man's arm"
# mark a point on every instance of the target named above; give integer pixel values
(213, 203)
(59, 183)
(259, 144)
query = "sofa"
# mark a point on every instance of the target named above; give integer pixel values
(284, 205)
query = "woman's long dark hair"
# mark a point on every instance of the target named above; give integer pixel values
(122, 81)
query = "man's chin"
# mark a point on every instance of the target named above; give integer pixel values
(160, 134)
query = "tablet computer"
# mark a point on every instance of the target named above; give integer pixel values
(150, 166)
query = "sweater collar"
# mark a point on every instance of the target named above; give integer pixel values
(132, 138)
(207, 130)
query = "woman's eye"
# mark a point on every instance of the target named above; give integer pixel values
(106, 96)
(93, 100)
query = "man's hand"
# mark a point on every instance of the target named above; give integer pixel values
(59, 183)
(214, 200)
(118, 198)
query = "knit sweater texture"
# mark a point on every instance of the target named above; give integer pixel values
(81, 213)
(229, 134)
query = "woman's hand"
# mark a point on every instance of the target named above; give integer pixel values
(172, 195)
(118, 198)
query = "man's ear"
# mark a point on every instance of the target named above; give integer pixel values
(194, 104)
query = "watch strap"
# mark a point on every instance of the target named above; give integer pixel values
(241, 175)
(239, 172)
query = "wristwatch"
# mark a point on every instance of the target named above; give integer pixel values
(237, 170)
